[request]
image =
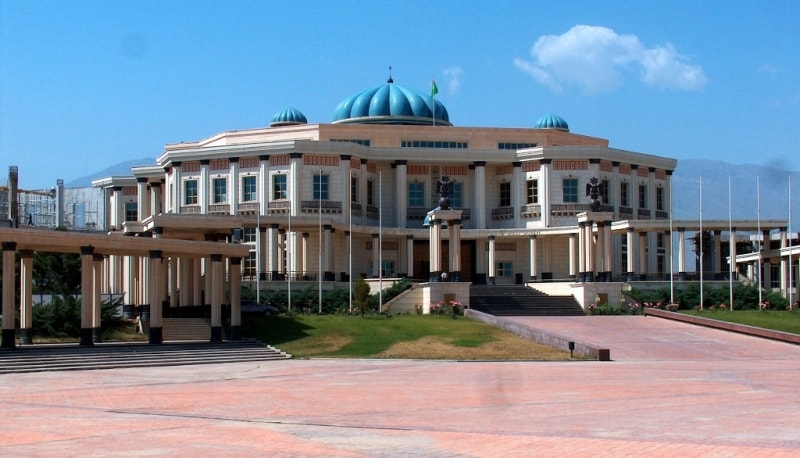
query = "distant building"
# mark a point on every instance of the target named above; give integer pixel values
(300, 195)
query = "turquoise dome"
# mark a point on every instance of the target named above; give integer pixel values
(552, 121)
(288, 117)
(391, 103)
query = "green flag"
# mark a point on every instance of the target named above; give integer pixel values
(434, 88)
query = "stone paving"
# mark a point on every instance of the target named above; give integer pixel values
(671, 389)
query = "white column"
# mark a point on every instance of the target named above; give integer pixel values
(177, 189)
(682, 253)
(573, 255)
(25, 296)
(479, 214)
(87, 295)
(516, 191)
(97, 300)
(217, 283)
(143, 199)
(235, 299)
(156, 198)
(643, 254)
(590, 252)
(116, 208)
(455, 249)
(274, 251)
(631, 234)
(233, 189)
(376, 262)
(401, 193)
(409, 256)
(492, 266)
(544, 186)
(295, 183)
(532, 256)
(582, 251)
(203, 187)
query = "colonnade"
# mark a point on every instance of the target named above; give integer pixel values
(96, 253)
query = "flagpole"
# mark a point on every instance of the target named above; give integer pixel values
(760, 235)
(350, 250)
(731, 245)
(791, 267)
(319, 296)
(700, 243)
(671, 250)
(380, 241)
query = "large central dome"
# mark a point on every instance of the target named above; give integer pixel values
(391, 103)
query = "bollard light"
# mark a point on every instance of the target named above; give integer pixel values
(571, 348)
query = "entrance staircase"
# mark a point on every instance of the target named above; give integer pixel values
(520, 300)
(71, 357)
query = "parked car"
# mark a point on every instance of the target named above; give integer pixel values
(251, 307)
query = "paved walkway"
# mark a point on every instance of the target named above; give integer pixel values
(672, 389)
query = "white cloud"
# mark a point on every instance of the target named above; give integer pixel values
(597, 58)
(453, 75)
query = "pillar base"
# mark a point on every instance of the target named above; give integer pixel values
(492, 280)
(86, 337)
(156, 336)
(216, 334)
(589, 277)
(96, 335)
(435, 277)
(26, 336)
(236, 333)
(630, 276)
(533, 279)
(9, 340)
(682, 276)
(454, 276)
(328, 276)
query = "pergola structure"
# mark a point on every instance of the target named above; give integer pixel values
(93, 248)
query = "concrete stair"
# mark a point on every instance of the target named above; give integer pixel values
(519, 300)
(66, 357)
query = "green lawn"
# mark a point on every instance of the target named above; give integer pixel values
(400, 336)
(779, 320)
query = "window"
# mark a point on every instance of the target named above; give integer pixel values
(510, 145)
(660, 205)
(131, 211)
(455, 198)
(433, 144)
(220, 190)
(570, 187)
(533, 191)
(354, 189)
(416, 195)
(249, 193)
(249, 235)
(503, 269)
(279, 187)
(249, 267)
(190, 192)
(370, 189)
(604, 187)
(624, 197)
(505, 194)
(320, 187)
(642, 196)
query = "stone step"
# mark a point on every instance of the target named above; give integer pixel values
(38, 358)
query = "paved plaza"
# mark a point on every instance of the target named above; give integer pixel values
(671, 389)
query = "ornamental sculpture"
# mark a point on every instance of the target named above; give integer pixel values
(444, 188)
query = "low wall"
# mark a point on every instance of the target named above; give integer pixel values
(725, 325)
(540, 336)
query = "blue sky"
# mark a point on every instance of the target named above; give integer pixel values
(88, 84)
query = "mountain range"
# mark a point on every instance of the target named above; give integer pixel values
(755, 190)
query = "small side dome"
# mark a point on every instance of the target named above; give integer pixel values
(288, 117)
(552, 121)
